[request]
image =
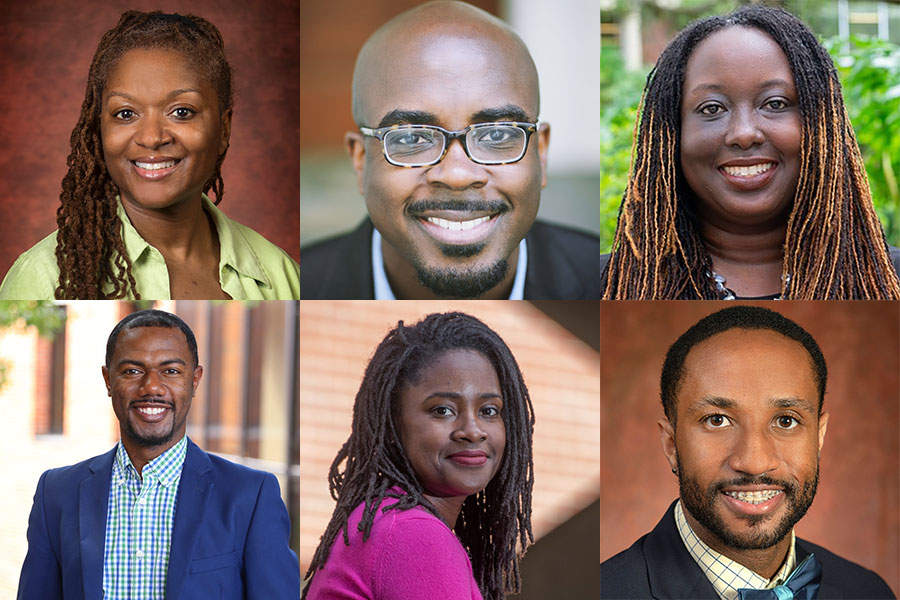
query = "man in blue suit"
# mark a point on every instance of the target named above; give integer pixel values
(156, 516)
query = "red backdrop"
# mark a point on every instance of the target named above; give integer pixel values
(856, 513)
(46, 48)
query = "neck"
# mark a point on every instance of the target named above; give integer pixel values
(180, 231)
(405, 281)
(448, 508)
(140, 455)
(765, 561)
(751, 260)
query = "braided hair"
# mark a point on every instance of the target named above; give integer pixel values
(491, 522)
(834, 245)
(90, 251)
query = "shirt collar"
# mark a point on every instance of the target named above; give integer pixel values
(383, 289)
(165, 468)
(726, 575)
(234, 251)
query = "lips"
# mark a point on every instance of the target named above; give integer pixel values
(154, 167)
(458, 228)
(469, 458)
(749, 174)
(753, 499)
(151, 412)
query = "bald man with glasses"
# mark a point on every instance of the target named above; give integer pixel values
(451, 159)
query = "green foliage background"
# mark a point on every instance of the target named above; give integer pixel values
(870, 75)
(46, 317)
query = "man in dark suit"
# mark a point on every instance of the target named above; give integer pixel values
(451, 159)
(156, 517)
(742, 392)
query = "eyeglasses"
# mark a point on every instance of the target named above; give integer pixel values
(424, 145)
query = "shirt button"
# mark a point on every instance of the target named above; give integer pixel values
(142, 501)
(139, 554)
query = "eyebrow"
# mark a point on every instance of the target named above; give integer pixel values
(507, 112)
(728, 403)
(715, 87)
(171, 94)
(137, 363)
(454, 395)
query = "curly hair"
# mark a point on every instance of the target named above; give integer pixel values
(90, 251)
(491, 522)
(834, 246)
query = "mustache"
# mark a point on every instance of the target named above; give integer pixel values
(461, 204)
(788, 487)
(152, 400)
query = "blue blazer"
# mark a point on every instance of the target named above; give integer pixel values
(229, 536)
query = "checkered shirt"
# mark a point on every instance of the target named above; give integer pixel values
(139, 525)
(727, 575)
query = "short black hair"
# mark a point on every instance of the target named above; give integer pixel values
(151, 318)
(734, 317)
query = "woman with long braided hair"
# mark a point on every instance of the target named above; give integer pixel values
(433, 486)
(135, 221)
(746, 178)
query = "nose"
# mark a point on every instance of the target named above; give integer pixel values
(457, 171)
(754, 453)
(151, 385)
(744, 129)
(151, 131)
(469, 429)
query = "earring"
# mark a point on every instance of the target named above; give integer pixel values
(674, 472)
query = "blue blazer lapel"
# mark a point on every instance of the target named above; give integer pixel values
(93, 504)
(673, 572)
(190, 507)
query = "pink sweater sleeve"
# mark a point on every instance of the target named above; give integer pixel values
(423, 560)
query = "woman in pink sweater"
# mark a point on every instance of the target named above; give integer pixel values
(437, 471)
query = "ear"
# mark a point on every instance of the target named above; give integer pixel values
(198, 374)
(355, 143)
(667, 437)
(543, 139)
(226, 132)
(823, 427)
(105, 372)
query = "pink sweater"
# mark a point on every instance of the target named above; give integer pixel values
(411, 555)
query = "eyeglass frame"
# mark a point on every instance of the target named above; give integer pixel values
(449, 136)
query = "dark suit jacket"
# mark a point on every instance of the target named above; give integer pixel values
(659, 566)
(229, 536)
(563, 264)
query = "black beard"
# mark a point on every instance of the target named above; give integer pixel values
(149, 441)
(701, 506)
(462, 282)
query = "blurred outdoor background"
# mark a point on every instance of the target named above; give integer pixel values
(56, 412)
(564, 40)
(556, 345)
(861, 35)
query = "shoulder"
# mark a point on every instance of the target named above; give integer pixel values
(35, 274)
(563, 264)
(841, 576)
(60, 481)
(625, 574)
(339, 267)
(240, 479)
(278, 265)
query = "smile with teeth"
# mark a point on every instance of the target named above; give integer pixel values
(151, 410)
(458, 225)
(156, 166)
(748, 171)
(754, 497)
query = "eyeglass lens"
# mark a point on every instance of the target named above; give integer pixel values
(494, 143)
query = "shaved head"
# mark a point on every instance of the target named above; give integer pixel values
(444, 38)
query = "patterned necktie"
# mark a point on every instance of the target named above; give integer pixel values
(803, 584)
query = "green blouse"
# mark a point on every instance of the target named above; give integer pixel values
(250, 266)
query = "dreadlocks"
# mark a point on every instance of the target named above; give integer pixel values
(90, 251)
(492, 521)
(834, 246)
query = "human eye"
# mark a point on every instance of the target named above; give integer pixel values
(711, 109)
(716, 421)
(125, 114)
(183, 113)
(412, 137)
(490, 411)
(777, 104)
(442, 411)
(130, 371)
(496, 136)
(787, 422)
(172, 371)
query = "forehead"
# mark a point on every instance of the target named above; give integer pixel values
(151, 340)
(450, 75)
(148, 69)
(736, 51)
(457, 368)
(751, 367)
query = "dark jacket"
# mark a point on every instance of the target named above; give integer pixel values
(563, 264)
(659, 566)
